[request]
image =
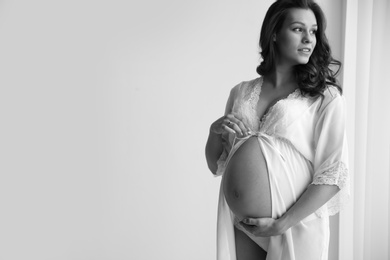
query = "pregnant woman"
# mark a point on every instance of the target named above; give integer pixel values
(281, 146)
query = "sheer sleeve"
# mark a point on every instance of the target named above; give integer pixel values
(331, 156)
(226, 138)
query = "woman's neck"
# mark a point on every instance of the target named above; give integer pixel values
(281, 77)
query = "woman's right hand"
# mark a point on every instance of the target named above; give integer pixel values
(231, 124)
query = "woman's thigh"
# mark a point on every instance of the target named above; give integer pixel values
(246, 249)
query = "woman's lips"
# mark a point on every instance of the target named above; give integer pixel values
(305, 51)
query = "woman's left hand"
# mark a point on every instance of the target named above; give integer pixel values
(262, 227)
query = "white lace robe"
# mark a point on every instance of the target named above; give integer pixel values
(303, 141)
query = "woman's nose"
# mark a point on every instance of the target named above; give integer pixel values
(307, 38)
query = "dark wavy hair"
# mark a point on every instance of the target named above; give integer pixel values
(313, 77)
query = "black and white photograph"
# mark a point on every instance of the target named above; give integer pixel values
(227, 130)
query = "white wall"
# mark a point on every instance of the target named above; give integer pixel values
(105, 109)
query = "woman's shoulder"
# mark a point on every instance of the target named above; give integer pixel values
(332, 92)
(245, 86)
(252, 82)
(332, 96)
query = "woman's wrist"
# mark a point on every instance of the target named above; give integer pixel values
(284, 223)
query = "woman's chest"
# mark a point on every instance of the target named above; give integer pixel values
(271, 113)
(270, 97)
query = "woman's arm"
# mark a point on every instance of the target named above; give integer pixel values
(228, 123)
(214, 150)
(312, 199)
(214, 147)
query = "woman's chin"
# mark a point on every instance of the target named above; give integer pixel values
(302, 61)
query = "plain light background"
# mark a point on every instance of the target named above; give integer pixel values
(105, 108)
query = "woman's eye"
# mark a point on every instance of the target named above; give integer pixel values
(313, 31)
(297, 29)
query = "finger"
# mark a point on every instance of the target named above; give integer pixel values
(236, 128)
(233, 118)
(218, 126)
(250, 221)
(247, 227)
(228, 122)
(241, 126)
(232, 126)
(228, 129)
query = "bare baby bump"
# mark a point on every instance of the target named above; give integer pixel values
(246, 183)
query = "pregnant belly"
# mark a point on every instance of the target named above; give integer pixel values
(245, 182)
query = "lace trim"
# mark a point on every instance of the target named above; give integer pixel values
(270, 111)
(247, 109)
(276, 115)
(334, 175)
(221, 165)
(255, 95)
(227, 146)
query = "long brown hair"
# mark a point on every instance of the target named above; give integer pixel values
(317, 74)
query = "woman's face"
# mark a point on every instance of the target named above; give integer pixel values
(296, 39)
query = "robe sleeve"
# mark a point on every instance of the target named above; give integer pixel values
(226, 138)
(331, 156)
